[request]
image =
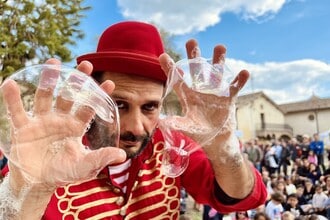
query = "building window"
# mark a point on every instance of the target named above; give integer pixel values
(262, 118)
(311, 117)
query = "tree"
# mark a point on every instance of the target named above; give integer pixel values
(169, 48)
(33, 31)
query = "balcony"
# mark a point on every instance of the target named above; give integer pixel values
(267, 130)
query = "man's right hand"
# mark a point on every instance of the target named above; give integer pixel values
(46, 148)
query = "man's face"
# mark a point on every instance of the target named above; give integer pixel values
(139, 104)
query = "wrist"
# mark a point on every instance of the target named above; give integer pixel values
(26, 198)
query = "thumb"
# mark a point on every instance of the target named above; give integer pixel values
(98, 159)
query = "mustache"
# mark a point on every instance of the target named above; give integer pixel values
(129, 136)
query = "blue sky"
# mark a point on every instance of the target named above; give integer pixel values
(285, 44)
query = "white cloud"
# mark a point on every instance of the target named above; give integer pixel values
(286, 81)
(281, 81)
(186, 16)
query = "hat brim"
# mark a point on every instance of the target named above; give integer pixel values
(126, 62)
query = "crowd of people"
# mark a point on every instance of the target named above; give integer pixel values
(296, 173)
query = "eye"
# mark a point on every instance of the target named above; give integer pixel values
(121, 104)
(152, 106)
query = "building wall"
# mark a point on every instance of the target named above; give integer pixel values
(248, 116)
(302, 124)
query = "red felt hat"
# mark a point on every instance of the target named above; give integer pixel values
(129, 47)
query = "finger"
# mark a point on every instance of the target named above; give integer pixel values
(63, 105)
(85, 67)
(219, 54)
(173, 73)
(69, 92)
(218, 60)
(44, 95)
(108, 86)
(166, 63)
(238, 83)
(197, 73)
(175, 78)
(13, 102)
(96, 160)
(192, 49)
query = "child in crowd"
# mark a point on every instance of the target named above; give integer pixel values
(292, 206)
(319, 200)
(274, 208)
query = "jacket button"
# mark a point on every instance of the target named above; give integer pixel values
(120, 200)
(123, 211)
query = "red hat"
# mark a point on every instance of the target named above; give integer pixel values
(129, 47)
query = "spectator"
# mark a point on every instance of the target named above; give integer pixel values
(292, 206)
(309, 190)
(319, 200)
(183, 201)
(270, 160)
(274, 208)
(254, 154)
(302, 202)
(285, 160)
(305, 146)
(241, 215)
(3, 160)
(317, 146)
(295, 150)
(327, 207)
(290, 188)
(326, 187)
(287, 216)
(210, 213)
(314, 173)
(261, 216)
(312, 158)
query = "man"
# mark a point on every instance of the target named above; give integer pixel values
(317, 146)
(128, 182)
(254, 153)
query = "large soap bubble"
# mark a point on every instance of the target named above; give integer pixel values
(73, 89)
(196, 103)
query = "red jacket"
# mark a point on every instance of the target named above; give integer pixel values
(149, 193)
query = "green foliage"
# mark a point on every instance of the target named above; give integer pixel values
(33, 31)
(169, 48)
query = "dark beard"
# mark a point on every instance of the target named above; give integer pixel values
(145, 139)
(99, 136)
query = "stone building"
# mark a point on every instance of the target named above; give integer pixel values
(259, 116)
(309, 116)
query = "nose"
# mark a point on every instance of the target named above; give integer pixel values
(133, 122)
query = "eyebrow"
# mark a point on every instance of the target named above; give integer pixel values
(155, 101)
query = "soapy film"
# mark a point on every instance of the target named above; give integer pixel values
(196, 103)
(67, 86)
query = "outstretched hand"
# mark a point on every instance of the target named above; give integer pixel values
(47, 147)
(204, 113)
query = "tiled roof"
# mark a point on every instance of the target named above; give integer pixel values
(313, 103)
(248, 98)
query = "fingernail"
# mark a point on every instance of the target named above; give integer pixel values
(196, 52)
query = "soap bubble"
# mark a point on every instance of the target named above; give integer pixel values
(196, 103)
(73, 88)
